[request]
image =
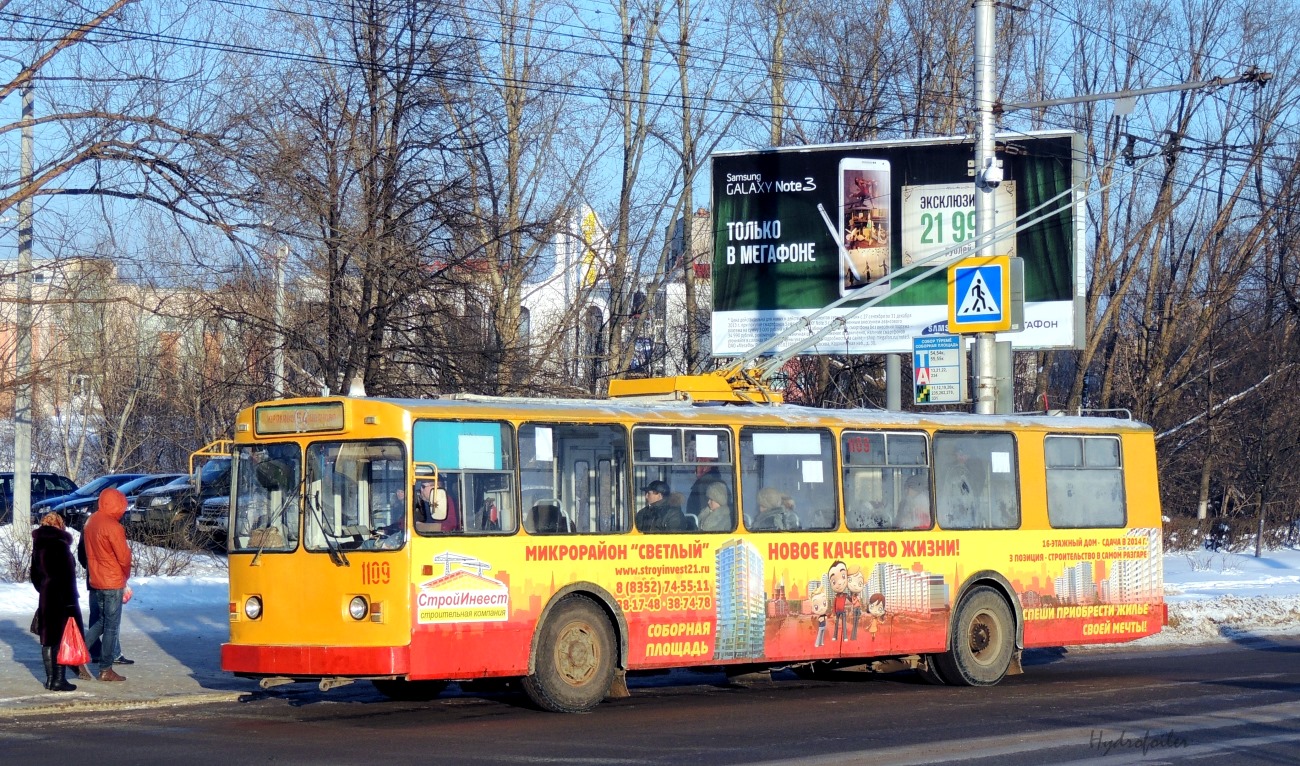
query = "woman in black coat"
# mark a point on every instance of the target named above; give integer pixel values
(54, 573)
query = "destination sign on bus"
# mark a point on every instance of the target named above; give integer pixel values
(298, 418)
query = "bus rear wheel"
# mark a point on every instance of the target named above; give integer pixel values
(983, 641)
(575, 658)
(409, 691)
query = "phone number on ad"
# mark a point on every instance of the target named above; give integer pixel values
(666, 603)
(657, 587)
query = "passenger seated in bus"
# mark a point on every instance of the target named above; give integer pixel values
(435, 508)
(657, 515)
(696, 498)
(773, 514)
(677, 504)
(914, 508)
(716, 514)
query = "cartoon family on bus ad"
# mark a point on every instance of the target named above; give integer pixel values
(839, 595)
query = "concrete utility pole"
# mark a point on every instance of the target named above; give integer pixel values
(988, 175)
(22, 504)
(777, 70)
(277, 386)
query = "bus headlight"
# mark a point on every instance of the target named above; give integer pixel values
(358, 608)
(253, 607)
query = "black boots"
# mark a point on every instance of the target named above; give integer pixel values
(47, 655)
(56, 675)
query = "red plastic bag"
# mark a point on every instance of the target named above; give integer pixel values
(72, 649)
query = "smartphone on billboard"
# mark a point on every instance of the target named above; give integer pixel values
(864, 225)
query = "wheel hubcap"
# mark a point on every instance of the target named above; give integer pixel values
(577, 654)
(982, 633)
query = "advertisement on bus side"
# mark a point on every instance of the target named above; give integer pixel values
(688, 600)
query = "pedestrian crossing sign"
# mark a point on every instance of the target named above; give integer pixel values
(979, 294)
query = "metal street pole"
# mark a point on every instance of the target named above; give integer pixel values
(894, 382)
(987, 178)
(22, 504)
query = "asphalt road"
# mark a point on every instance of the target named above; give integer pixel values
(1231, 703)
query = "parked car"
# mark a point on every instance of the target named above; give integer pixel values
(175, 505)
(214, 519)
(78, 506)
(88, 491)
(44, 484)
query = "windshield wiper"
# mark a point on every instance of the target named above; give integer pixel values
(337, 555)
(265, 538)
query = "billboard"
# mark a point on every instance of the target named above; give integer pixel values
(777, 214)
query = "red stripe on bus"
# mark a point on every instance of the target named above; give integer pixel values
(316, 660)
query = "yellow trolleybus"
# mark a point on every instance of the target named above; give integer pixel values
(565, 543)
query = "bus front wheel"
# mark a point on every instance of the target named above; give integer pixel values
(983, 641)
(575, 658)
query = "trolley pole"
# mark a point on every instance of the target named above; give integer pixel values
(988, 175)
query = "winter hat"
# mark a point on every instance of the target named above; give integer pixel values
(112, 501)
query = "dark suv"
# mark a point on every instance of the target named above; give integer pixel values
(44, 484)
(175, 505)
(84, 495)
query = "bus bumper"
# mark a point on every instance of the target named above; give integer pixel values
(315, 661)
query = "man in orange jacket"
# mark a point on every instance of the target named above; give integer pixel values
(108, 562)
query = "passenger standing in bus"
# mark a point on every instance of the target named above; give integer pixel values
(716, 516)
(960, 496)
(772, 513)
(658, 515)
(914, 508)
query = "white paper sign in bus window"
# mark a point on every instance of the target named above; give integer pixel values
(706, 446)
(661, 446)
(542, 444)
(786, 443)
(477, 451)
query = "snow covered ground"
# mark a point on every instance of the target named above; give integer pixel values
(1226, 596)
(1211, 596)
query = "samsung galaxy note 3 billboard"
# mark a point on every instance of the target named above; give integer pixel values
(775, 261)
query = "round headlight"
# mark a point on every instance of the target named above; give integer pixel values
(358, 608)
(253, 607)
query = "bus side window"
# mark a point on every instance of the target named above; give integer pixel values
(886, 480)
(787, 479)
(976, 480)
(573, 477)
(1085, 482)
(693, 461)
